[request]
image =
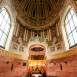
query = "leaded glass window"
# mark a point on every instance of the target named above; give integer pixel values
(71, 28)
(4, 26)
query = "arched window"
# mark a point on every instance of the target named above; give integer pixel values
(71, 28)
(4, 27)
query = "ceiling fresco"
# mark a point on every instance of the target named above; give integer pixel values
(37, 12)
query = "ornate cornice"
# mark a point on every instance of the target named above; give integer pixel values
(37, 27)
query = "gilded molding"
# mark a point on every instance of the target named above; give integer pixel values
(38, 27)
(68, 53)
(12, 55)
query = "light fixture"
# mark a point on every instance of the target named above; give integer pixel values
(65, 61)
(43, 64)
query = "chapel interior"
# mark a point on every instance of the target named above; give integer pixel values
(38, 38)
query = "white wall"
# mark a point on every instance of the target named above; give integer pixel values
(67, 5)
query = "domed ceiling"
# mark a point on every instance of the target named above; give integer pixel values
(37, 13)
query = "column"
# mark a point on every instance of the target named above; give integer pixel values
(31, 34)
(57, 29)
(27, 35)
(24, 38)
(50, 34)
(17, 30)
(43, 35)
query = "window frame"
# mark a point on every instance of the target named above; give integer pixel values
(71, 30)
(4, 8)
